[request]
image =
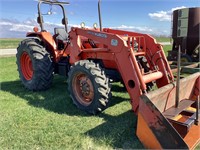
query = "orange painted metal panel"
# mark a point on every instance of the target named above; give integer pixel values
(193, 137)
(145, 134)
(164, 133)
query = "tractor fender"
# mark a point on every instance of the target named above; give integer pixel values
(48, 40)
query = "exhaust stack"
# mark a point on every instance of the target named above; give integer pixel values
(99, 12)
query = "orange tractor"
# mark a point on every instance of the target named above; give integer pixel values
(92, 58)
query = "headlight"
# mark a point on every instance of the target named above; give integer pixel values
(82, 25)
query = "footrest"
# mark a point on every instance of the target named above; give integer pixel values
(173, 111)
(181, 118)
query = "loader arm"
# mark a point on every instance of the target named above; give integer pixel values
(116, 47)
(154, 54)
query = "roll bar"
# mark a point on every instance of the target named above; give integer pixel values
(40, 20)
(64, 21)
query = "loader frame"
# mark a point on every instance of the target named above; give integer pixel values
(116, 51)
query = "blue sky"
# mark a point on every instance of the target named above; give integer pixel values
(148, 16)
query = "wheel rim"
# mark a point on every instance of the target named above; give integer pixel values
(195, 53)
(26, 66)
(83, 89)
(184, 60)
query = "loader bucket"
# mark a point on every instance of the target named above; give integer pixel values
(162, 125)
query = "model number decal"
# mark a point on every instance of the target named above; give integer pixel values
(98, 34)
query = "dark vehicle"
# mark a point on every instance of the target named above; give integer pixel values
(185, 32)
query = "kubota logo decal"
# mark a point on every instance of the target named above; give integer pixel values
(98, 34)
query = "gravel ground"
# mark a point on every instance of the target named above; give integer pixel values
(7, 52)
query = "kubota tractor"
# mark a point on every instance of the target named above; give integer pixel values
(92, 58)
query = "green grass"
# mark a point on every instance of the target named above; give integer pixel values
(162, 39)
(49, 120)
(9, 43)
(167, 48)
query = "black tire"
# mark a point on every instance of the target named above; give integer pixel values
(89, 87)
(34, 64)
(185, 58)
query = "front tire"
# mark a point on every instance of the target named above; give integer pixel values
(89, 87)
(34, 65)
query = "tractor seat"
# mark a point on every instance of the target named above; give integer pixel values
(61, 37)
(61, 34)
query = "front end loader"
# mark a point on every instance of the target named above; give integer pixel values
(93, 58)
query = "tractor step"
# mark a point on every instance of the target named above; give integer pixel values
(183, 127)
(173, 111)
(183, 117)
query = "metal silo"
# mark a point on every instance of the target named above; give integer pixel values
(185, 32)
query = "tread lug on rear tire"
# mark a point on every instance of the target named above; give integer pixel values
(34, 64)
(89, 87)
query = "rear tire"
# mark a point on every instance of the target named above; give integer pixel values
(89, 87)
(34, 65)
(185, 58)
